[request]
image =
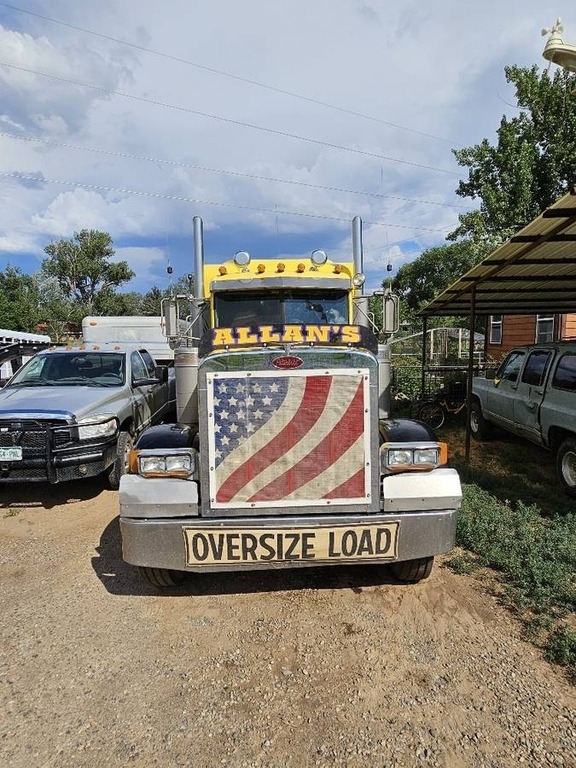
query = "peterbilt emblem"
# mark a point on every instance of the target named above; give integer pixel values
(286, 362)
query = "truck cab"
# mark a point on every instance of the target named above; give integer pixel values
(284, 454)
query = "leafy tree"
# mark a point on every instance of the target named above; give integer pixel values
(418, 282)
(532, 164)
(152, 302)
(83, 267)
(19, 300)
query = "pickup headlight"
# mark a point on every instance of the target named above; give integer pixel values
(94, 427)
(399, 457)
(164, 462)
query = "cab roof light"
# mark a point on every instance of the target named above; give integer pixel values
(301, 268)
(280, 267)
(337, 269)
(241, 258)
(261, 268)
(222, 270)
(318, 257)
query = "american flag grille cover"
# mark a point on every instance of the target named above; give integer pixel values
(295, 438)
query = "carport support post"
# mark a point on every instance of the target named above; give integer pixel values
(470, 374)
(424, 353)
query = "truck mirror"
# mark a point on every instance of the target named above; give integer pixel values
(170, 314)
(390, 313)
(161, 373)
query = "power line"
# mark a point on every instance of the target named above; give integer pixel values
(230, 75)
(187, 110)
(178, 198)
(177, 164)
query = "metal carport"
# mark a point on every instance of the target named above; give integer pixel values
(532, 273)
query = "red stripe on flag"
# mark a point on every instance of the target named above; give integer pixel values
(309, 411)
(328, 451)
(353, 488)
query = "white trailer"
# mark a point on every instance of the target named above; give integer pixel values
(146, 330)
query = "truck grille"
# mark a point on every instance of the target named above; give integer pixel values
(289, 439)
(32, 436)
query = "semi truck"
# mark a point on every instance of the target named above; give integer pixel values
(284, 452)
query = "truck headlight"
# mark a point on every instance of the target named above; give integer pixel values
(164, 462)
(94, 427)
(399, 457)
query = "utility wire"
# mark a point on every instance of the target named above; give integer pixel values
(177, 164)
(222, 73)
(187, 110)
(178, 198)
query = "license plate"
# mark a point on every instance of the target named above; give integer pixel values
(11, 454)
(229, 546)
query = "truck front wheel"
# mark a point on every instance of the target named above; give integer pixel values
(161, 578)
(566, 466)
(413, 571)
(479, 427)
(121, 461)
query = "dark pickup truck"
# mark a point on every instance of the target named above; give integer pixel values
(533, 395)
(74, 412)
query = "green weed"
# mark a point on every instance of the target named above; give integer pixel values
(534, 558)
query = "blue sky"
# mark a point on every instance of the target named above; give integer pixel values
(275, 122)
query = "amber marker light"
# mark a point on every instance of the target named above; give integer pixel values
(301, 267)
(222, 270)
(261, 268)
(337, 269)
(280, 267)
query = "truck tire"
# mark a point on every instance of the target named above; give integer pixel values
(479, 427)
(431, 414)
(161, 578)
(121, 462)
(566, 466)
(413, 571)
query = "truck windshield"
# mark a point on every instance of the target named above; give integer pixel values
(311, 307)
(71, 369)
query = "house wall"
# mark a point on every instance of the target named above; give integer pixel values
(518, 330)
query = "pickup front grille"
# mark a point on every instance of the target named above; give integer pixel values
(33, 436)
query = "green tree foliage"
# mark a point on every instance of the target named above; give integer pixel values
(83, 268)
(419, 281)
(151, 302)
(19, 300)
(532, 164)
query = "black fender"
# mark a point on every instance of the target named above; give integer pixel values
(168, 436)
(405, 431)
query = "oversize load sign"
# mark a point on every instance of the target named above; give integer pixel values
(229, 546)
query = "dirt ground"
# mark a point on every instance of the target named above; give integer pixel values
(338, 666)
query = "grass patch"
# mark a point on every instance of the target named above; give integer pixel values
(534, 561)
(10, 512)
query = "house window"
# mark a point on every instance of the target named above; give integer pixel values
(495, 329)
(544, 328)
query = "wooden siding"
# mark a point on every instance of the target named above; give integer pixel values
(518, 330)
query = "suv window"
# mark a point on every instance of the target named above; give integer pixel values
(510, 368)
(565, 373)
(536, 367)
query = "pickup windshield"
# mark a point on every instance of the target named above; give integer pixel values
(312, 307)
(71, 369)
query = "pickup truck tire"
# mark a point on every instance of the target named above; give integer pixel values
(161, 578)
(412, 571)
(121, 462)
(479, 427)
(566, 466)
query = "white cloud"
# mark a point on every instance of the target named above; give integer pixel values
(437, 70)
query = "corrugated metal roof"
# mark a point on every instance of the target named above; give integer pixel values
(533, 273)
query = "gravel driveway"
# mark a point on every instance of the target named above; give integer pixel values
(323, 667)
